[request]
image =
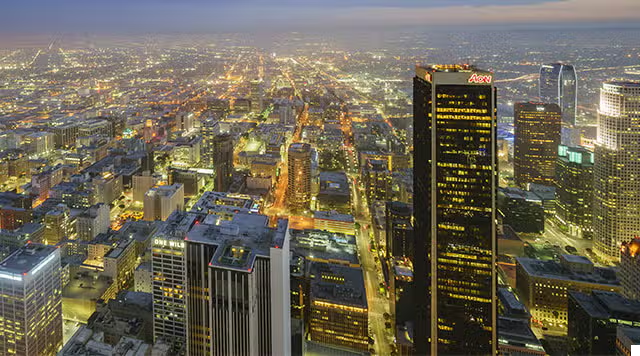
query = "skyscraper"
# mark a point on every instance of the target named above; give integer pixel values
(455, 182)
(630, 269)
(257, 95)
(237, 276)
(31, 299)
(223, 161)
(299, 176)
(399, 230)
(226, 289)
(574, 190)
(537, 136)
(616, 169)
(559, 84)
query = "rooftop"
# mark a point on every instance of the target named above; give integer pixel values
(239, 241)
(222, 202)
(28, 259)
(324, 246)
(332, 215)
(555, 270)
(338, 284)
(300, 147)
(606, 305)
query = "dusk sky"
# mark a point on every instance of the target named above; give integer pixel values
(231, 15)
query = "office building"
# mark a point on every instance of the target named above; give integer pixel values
(399, 230)
(594, 318)
(257, 95)
(377, 180)
(630, 269)
(185, 122)
(543, 286)
(253, 317)
(537, 136)
(169, 285)
(521, 209)
(249, 319)
(299, 176)
(454, 202)
(226, 205)
(31, 299)
(574, 190)
(92, 222)
(559, 84)
(142, 184)
(616, 186)
(222, 161)
(339, 313)
(161, 201)
(515, 338)
(57, 224)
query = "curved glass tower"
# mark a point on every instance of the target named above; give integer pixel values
(559, 84)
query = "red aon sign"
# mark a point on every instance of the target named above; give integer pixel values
(480, 79)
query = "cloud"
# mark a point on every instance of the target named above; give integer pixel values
(570, 11)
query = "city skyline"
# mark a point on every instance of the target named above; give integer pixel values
(315, 178)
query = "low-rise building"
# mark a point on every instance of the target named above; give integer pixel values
(338, 307)
(334, 222)
(594, 318)
(544, 286)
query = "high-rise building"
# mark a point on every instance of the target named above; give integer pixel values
(537, 136)
(253, 317)
(93, 221)
(222, 146)
(299, 176)
(57, 224)
(630, 269)
(455, 183)
(161, 201)
(616, 217)
(257, 95)
(574, 190)
(377, 180)
(184, 122)
(398, 230)
(559, 84)
(226, 290)
(31, 299)
(168, 270)
(338, 307)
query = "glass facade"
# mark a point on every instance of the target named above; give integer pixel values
(537, 136)
(455, 184)
(574, 190)
(559, 84)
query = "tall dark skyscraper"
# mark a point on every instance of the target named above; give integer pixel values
(455, 187)
(559, 85)
(223, 161)
(537, 136)
(299, 176)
